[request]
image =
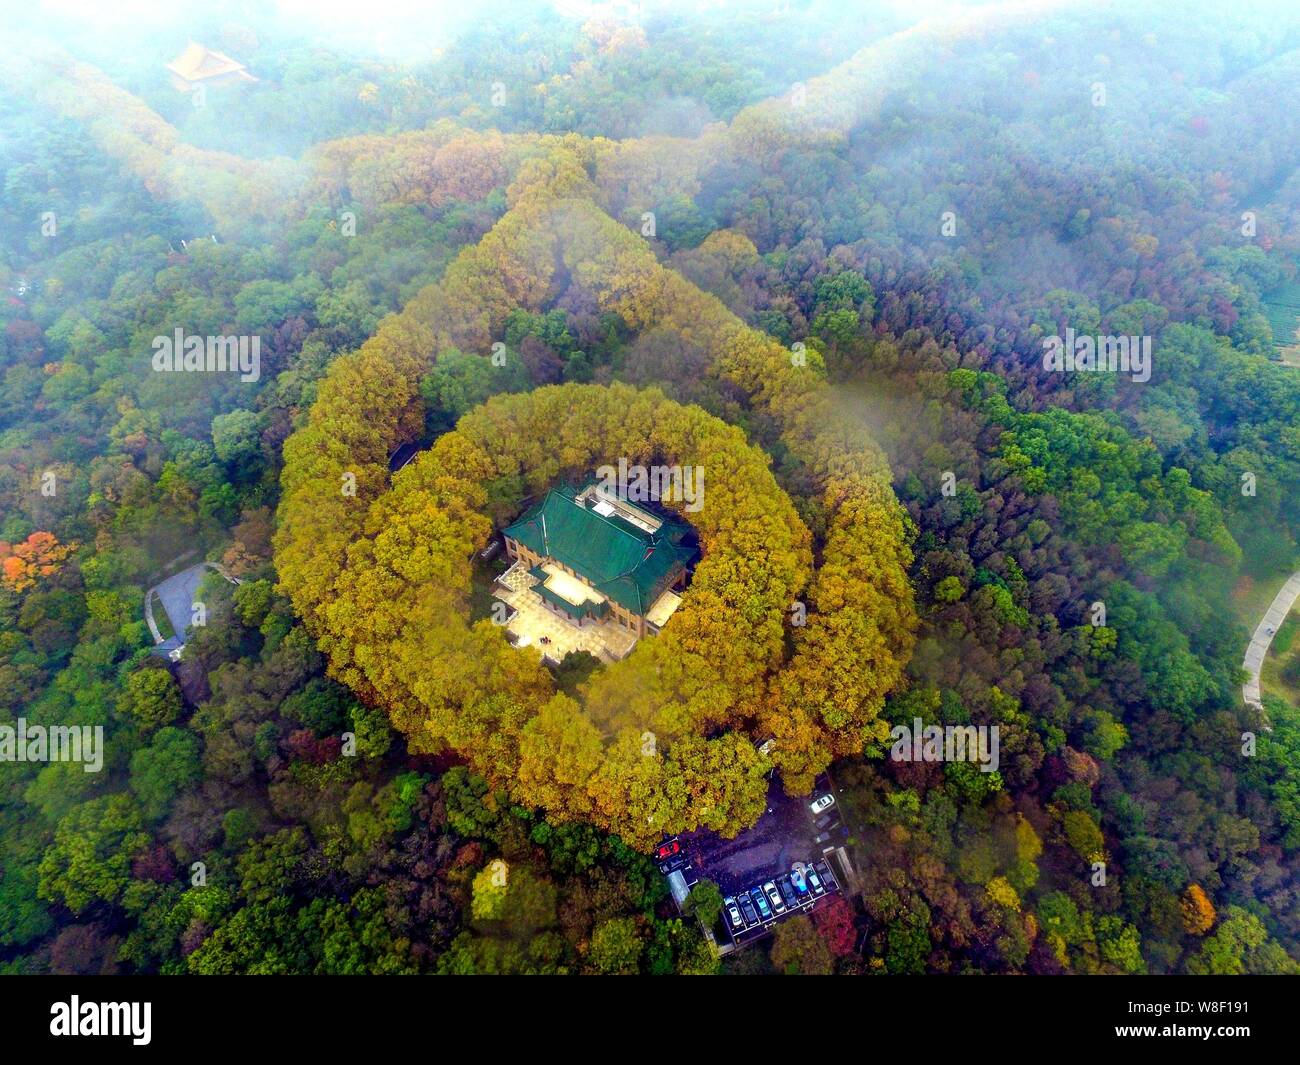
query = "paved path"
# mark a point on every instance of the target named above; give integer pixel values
(1264, 632)
(176, 594)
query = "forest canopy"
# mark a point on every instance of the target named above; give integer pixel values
(820, 251)
(672, 687)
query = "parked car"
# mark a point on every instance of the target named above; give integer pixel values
(667, 850)
(760, 900)
(800, 884)
(778, 904)
(824, 803)
(747, 908)
(787, 892)
(824, 822)
(733, 914)
(815, 882)
(825, 837)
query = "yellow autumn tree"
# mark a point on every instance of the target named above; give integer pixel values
(1197, 911)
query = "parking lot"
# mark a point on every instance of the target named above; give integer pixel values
(750, 913)
(779, 867)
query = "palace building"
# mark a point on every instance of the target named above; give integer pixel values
(198, 65)
(608, 570)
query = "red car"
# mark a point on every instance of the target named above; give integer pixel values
(668, 850)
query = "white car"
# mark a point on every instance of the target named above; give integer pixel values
(733, 912)
(824, 803)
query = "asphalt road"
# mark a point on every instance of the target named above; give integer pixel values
(1264, 633)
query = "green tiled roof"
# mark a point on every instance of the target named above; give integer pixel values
(577, 611)
(618, 559)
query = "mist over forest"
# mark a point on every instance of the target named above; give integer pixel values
(982, 322)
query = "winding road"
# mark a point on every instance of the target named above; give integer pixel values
(1264, 633)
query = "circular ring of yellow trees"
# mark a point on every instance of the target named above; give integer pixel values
(797, 622)
(634, 751)
(663, 740)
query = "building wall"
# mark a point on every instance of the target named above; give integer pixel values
(620, 616)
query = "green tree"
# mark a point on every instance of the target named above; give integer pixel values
(271, 865)
(168, 766)
(615, 947)
(1240, 945)
(151, 697)
(92, 851)
(460, 382)
(236, 437)
(705, 902)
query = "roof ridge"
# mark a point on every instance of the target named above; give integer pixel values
(605, 518)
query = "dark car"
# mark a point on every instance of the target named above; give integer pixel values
(825, 837)
(747, 908)
(787, 892)
(760, 900)
(823, 821)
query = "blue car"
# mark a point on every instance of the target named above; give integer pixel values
(764, 910)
